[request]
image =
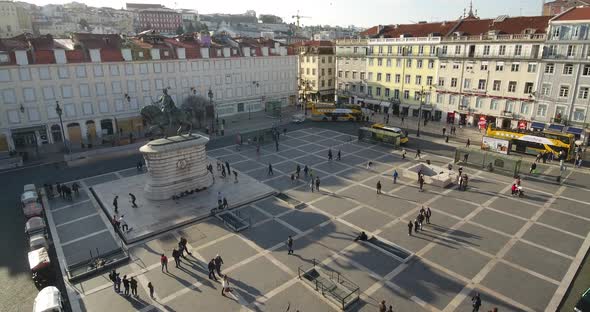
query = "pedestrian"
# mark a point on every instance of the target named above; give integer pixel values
(330, 154)
(225, 285)
(476, 302)
(395, 175)
(444, 130)
(223, 174)
(533, 168)
(447, 139)
(113, 278)
(219, 200)
(218, 263)
(416, 225)
(465, 157)
(270, 169)
(468, 143)
(410, 226)
(225, 205)
(115, 203)
(164, 262)
(292, 178)
(297, 171)
(428, 214)
(382, 306)
(235, 176)
(390, 308)
(290, 245)
(420, 218)
(404, 153)
(133, 285)
(317, 184)
(76, 188)
(418, 154)
(151, 288)
(126, 285)
(305, 171)
(369, 165)
(211, 267)
(133, 199)
(421, 182)
(311, 183)
(59, 189)
(285, 132)
(118, 282)
(123, 224)
(176, 256)
(339, 155)
(379, 187)
(403, 120)
(227, 166)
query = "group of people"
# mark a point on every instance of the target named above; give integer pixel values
(129, 284)
(516, 188)
(64, 191)
(221, 169)
(221, 201)
(338, 155)
(418, 223)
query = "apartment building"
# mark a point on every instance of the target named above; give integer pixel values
(563, 97)
(317, 65)
(101, 82)
(556, 7)
(351, 70)
(9, 19)
(488, 70)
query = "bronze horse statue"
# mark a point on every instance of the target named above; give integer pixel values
(163, 115)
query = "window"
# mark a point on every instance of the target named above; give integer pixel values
(583, 93)
(571, 50)
(441, 82)
(114, 69)
(542, 110)
(429, 80)
(481, 85)
(532, 68)
(417, 95)
(84, 90)
(499, 67)
(80, 72)
(579, 114)
(564, 91)
(549, 68)
(9, 96)
(483, 67)
(509, 106)
(378, 91)
(44, 73)
(323, 60)
(378, 76)
(546, 89)
(443, 65)
(157, 68)
(63, 73)
(25, 74)
(502, 50)
(478, 102)
(430, 64)
(371, 62)
(329, 59)
(406, 94)
(458, 49)
(517, 50)
(48, 93)
(29, 94)
(98, 71)
(330, 72)
(568, 69)
(444, 50)
(354, 74)
(323, 83)
(418, 79)
(556, 32)
(339, 74)
(408, 78)
(467, 83)
(128, 69)
(486, 50)
(379, 62)
(453, 82)
(313, 71)
(370, 77)
(528, 88)
(389, 49)
(512, 86)
(307, 71)
(439, 98)
(494, 104)
(398, 63)
(419, 64)
(66, 92)
(116, 86)
(409, 63)
(101, 89)
(420, 50)
(496, 85)
(369, 90)
(324, 73)
(515, 67)
(387, 77)
(145, 85)
(586, 70)
(388, 63)
(387, 91)
(397, 78)
(455, 65)
(363, 76)
(525, 108)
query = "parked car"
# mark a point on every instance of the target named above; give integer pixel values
(41, 269)
(28, 197)
(35, 225)
(583, 304)
(29, 188)
(298, 118)
(37, 241)
(32, 209)
(48, 300)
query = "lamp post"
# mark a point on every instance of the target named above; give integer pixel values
(59, 112)
(210, 95)
(420, 111)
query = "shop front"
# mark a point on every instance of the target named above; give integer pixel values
(450, 117)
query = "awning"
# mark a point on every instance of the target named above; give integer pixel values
(555, 127)
(573, 130)
(538, 125)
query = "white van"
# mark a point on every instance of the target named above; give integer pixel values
(48, 300)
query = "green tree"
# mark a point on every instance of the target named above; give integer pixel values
(179, 30)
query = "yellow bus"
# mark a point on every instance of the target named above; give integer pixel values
(535, 142)
(335, 114)
(403, 137)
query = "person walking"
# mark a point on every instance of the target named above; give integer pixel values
(404, 153)
(126, 285)
(133, 199)
(410, 226)
(224, 205)
(416, 225)
(211, 268)
(420, 218)
(330, 154)
(369, 164)
(176, 256)
(115, 203)
(444, 130)
(421, 182)
(76, 188)
(270, 169)
(311, 183)
(428, 214)
(182, 246)
(297, 171)
(533, 168)
(339, 155)
(395, 175)
(290, 245)
(476, 302)
(382, 306)
(467, 143)
(133, 286)
(418, 154)
(227, 166)
(124, 225)
(218, 263)
(151, 288)
(317, 184)
(164, 262)
(225, 285)
(379, 187)
(118, 282)
(235, 176)
(305, 171)
(113, 278)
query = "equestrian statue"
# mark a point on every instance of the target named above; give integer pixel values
(163, 115)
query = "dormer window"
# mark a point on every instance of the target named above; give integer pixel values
(140, 53)
(529, 31)
(166, 53)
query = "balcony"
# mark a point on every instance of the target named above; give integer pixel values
(416, 40)
(504, 38)
(507, 113)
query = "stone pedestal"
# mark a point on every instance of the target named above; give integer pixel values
(175, 165)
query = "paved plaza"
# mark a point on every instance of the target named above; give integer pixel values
(519, 253)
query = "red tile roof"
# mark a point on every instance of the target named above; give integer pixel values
(314, 43)
(418, 30)
(510, 25)
(575, 14)
(96, 41)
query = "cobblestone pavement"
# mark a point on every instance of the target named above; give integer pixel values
(519, 253)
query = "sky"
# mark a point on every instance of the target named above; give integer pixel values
(361, 13)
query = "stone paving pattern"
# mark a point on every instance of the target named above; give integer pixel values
(519, 253)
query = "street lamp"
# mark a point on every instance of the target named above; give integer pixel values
(420, 111)
(59, 112)
(210, 95)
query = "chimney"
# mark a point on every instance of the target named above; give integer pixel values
(379, 28)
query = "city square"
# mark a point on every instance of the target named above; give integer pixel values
(520, 254)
